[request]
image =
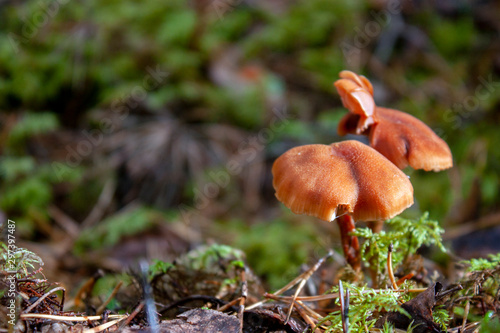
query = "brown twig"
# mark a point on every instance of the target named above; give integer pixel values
(103, 327)
(240, 301)
(85, 290)
(310, 311)
(26, 316)
(298, 279)
(304, 278)
(34, 305)
(440, 295)
(302, 298)
(404, 278)
(389, 269)
(230, 304)
(306, 318)
(101, 309)
(319, 298)
(132, 315)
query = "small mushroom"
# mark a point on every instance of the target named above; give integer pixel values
(400, 137)
(413, 143)
(346, 181)
(356, 93)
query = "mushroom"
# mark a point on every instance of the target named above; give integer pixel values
(413, 143)
(346, 181)
(400, 137)
(356, 93)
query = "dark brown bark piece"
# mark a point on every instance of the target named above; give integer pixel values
(420, 311)
(264, 320)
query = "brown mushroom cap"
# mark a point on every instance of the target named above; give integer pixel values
(356, 93)
(326, 181)
(405, 140)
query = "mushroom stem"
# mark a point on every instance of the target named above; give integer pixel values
(375, 226)
(350, 244)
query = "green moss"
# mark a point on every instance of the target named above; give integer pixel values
(364, 302)
(406, 237)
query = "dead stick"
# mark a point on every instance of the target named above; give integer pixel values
(26, 316)
(389, 269)
(310, 311)
(305, 277)
(440, 295)
(103, 327)
(230, 304)
(404, 278)
(294, 281)
(132, 315)
(34, 305)
(335, 295)
(299, 289)
(306, 318)
(103, 306)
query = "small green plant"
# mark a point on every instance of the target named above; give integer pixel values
(406, 236)
(482, 275)
(441, 316)
(159, 267)
(480, 283)
(19, 260)
(205, 258)
(481, 264)
(364, 306)
(387, 328)
(220, 264)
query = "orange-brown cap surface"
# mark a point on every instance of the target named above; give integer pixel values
(356, 93)
(328, 180)
(405, 140)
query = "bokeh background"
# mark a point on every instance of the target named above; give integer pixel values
(142, 128)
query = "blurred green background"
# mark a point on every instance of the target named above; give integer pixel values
(132, 128)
